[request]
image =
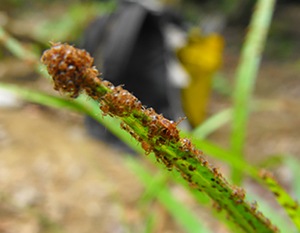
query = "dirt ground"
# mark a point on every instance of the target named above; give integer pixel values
(55, 178)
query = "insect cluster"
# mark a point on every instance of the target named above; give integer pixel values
(119, 102)
(72, 71)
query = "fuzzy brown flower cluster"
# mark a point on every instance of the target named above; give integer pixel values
(71, 69)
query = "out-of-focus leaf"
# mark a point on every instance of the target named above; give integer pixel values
(178, 210)
(284, 199)
(246, 75)
(294, 166)
(212, 124)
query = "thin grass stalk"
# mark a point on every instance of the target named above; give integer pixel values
(246, 75)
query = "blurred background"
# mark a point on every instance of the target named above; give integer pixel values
(60, 171)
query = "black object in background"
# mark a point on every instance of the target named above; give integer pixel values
(129, 48)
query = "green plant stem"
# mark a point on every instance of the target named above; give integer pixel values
(246, 75)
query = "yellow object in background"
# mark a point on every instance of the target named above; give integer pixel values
(201, 57)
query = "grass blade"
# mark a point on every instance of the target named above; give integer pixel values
(212, 124)
(246, 75)
(189, 222)
(291, 206)
(272, 213)
(294, 166)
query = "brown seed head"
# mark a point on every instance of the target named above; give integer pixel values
(70, 68)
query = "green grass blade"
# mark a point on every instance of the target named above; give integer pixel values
(150, 223)
(42, 98)
(19, 51)
(246, 75)
(284, 199)
(268, 209)
(158, 189)
(212, 124)
(294, 166)
(16, 48)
